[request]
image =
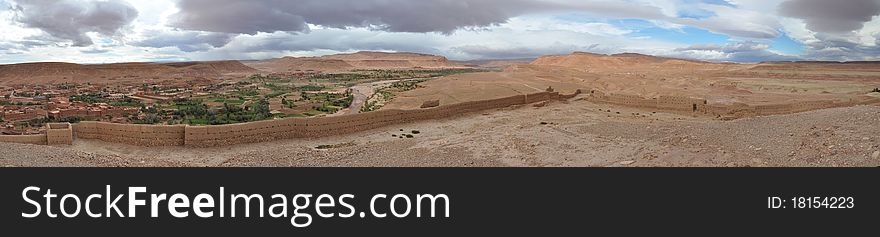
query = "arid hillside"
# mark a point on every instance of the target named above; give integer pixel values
(820, 65)
(495, 64)
(867, 72)
(596, 62)
(651, 77)
(359, 60)
(653, 65)
(54, 73)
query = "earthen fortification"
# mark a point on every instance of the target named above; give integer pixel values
(701, 107)
(269, 130)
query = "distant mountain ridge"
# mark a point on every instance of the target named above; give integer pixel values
(56, 72)
(585, 59)
(352, 61)
(60, 72)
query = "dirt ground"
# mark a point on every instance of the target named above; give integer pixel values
(561, 134)
(571, 133)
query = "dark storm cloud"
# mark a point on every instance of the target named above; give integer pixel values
(834, 23)
(250, 17)
(835, 48)
(831, 16)
(233, 16)
(416, 16)
(187, 41)
(328, 40)
(72, 19)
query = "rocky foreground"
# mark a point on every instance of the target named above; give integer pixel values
(568, 134)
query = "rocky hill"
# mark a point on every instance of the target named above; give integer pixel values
(602, 61)
(52, 72)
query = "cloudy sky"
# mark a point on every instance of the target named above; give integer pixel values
(100, 31)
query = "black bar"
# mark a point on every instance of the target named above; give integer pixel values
(485, 201)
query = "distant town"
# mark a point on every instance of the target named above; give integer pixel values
(27, 107)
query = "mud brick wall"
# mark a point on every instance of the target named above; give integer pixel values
(211, 136)
(567, 97)
(56, 134)
(727, 110)
(542, 96)
(740, 110)
(680, 103)
(698, 106)
(627, 100)
(669, 103)
(59, 134)
(39, 139)
(133, 134)
(261, 131)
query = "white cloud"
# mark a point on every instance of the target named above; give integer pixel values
(737, 22)
(553, 24)
(518, 38)
(511, 31)
(72, 19)
(870, 33)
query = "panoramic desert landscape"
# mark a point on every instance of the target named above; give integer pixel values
(262, 116)
(407, 109)
(465, 83)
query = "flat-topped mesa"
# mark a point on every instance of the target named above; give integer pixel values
(353, 61)
(290, 64)
(227, 66)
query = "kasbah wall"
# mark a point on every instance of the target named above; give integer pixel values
(270, 130)
(56, 134)
(697, 106)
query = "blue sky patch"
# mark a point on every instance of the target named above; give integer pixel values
(787, 45)
(685, 35)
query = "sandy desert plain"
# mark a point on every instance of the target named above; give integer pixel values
(749, 115)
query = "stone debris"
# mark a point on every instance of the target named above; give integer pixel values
(627, 162)
(430, 104)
